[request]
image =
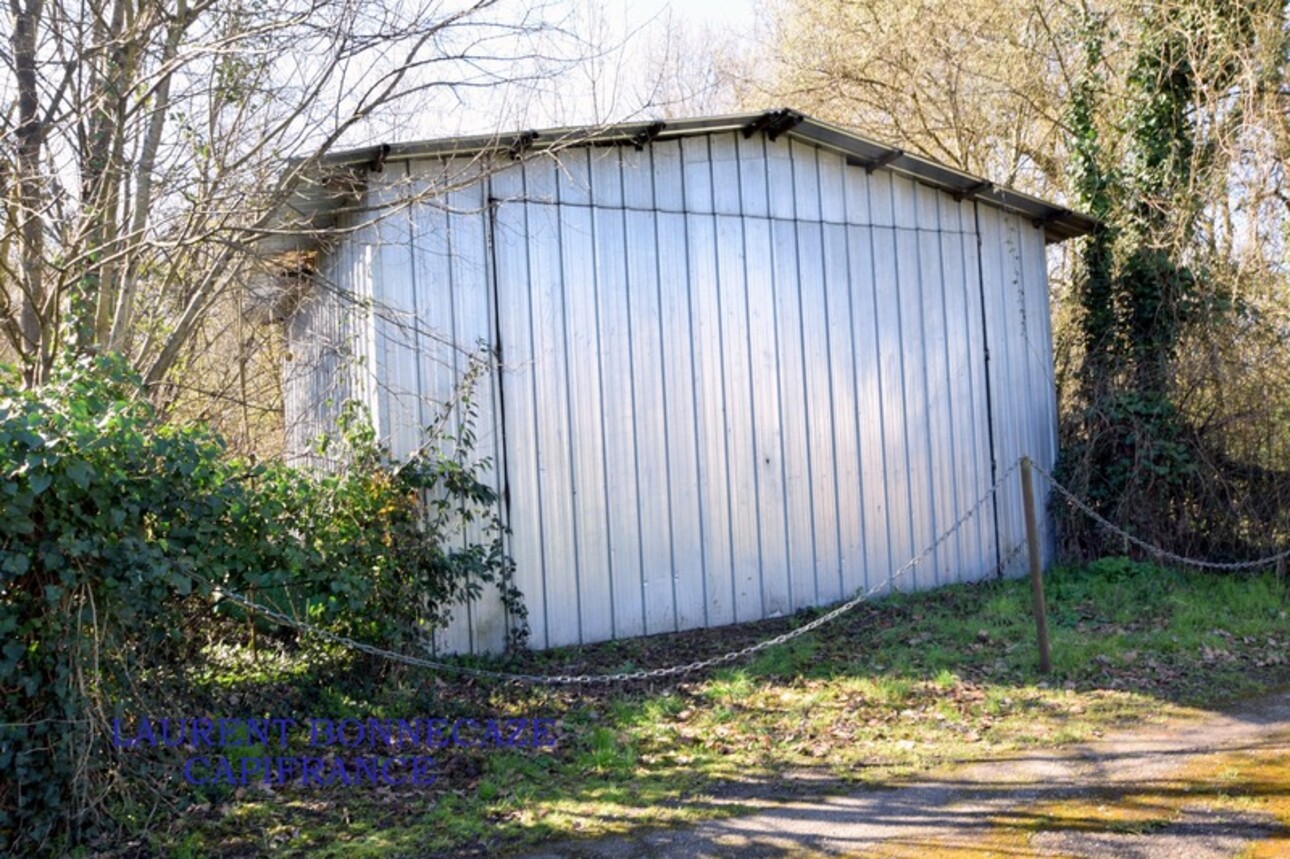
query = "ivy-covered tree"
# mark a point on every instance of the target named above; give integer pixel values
(1145, 293)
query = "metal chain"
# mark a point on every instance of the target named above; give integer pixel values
(624, 676)
(701, 664)
(1157, 551)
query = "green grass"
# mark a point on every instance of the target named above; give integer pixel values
(893, 688)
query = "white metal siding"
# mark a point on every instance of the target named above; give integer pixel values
(739, 375)
(431, 278)
(1014, 285)
(328, 348)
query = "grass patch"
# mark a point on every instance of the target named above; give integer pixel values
(891, 689)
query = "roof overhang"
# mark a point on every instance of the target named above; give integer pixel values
(334, 181)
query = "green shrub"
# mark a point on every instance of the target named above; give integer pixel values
(117, 533)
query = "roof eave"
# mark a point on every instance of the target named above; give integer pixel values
(1059, 223)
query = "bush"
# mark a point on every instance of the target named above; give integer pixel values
(1144, 466)
(117, 532)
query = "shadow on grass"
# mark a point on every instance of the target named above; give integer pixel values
(890, 690)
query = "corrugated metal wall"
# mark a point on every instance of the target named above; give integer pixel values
(434, 315)
(739, 376)
(328, 341)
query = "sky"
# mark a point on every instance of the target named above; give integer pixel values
(732, 12)
(642, 33)
(616, 85)
(608, 61)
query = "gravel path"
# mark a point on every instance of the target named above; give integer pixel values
(977, 806)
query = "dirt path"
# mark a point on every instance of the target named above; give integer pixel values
(1215, 787)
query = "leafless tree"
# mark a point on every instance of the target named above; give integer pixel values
(146, 144)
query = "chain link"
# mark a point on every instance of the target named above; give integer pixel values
(734, 655)
(624, 676)
(1156, 551)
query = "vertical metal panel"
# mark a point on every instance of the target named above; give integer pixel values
(855, 194)
(1016, 345)
(800, 519)
(352, 319)
(819, 383)
(806, 182)
(739, 417)
(779, 179)
(696, 171)
(607, 176)
(582, 349)
(472, 326)
(1013, 341)
(994, 323)
(713, 472)
(434, 304)
(1032, 442)
(1002, 287)
(917, 408)
(359, 263)
(847, 477)
(395, 312)
(677, 340)
(961, 363)
(416, 318)
(637, 171)
(891, 354)
(753, 176)
(525, 510)
(870, 422)
(833, 204)
(651, 508)
(668, 176)
(768, 443)
(723, 153)
(973, 336)
(319, 365)
(541, 177)
(819, 405)
(1041, 406)
(573, 173)
(552, 400)
(626, 498)
(765, 359)
(939, 395)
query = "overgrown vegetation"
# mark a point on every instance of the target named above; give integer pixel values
(1136, 443)
(899, 686)
(117, 533)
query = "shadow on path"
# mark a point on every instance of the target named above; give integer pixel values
(1134, 795)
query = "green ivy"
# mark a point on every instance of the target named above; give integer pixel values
(1128, 447)
(117, 533)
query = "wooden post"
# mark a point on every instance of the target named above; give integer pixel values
(1036, 564)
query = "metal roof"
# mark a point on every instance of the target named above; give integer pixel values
(1059, 223)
